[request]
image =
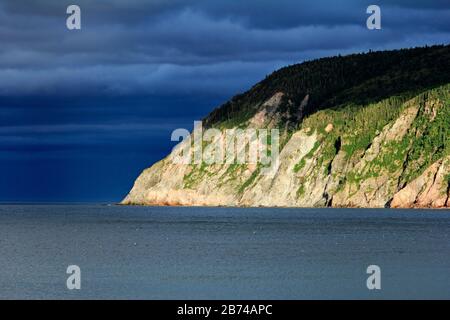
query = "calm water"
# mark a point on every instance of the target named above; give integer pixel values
(211, 253)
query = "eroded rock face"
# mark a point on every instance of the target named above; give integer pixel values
(309, 175)
(428, 190)
(376, 191)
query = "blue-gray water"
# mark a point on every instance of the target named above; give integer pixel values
(218, 253)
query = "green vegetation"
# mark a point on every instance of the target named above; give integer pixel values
(301, 191)
(300, 165)
(355, 127)
(309, 155)
(249, 181)
(360, 95)
(196, 174)
(430, 133)
(357, 79)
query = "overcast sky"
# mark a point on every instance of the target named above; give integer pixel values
(83, 112)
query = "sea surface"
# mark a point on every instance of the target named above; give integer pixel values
(222, 253)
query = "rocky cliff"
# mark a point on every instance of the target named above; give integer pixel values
(378, 139)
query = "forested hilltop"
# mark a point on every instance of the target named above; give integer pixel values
(363, 130)
(354, 79)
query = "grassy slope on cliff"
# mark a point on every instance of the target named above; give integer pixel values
(355, 127)
(361, 96)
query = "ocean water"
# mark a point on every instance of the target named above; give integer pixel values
(222, 253)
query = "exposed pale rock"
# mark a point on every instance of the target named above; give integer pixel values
(428, 190)
(376, 191)
(303, 179)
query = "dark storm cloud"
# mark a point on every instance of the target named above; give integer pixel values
(156, 47)
(92, 108)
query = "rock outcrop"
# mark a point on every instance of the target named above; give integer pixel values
(392, 152)
(430, 189)
(309, 175)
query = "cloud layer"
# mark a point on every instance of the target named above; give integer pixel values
(88, 110)
(166, 47)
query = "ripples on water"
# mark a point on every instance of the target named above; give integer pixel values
(222, 253)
